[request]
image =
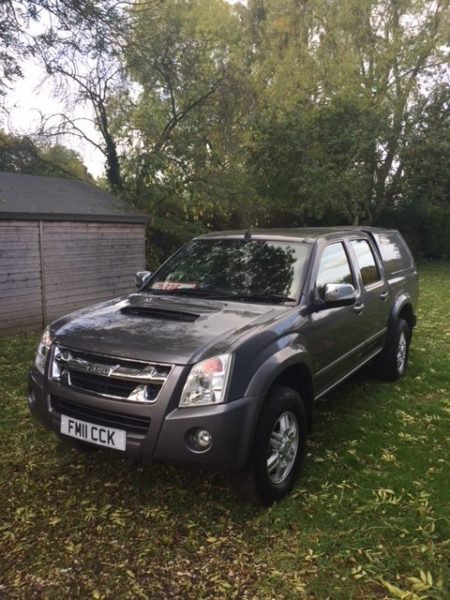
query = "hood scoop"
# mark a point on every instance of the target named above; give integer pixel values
(159, 313)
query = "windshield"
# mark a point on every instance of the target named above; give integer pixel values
(260, 270)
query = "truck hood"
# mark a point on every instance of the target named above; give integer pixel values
(163, 329)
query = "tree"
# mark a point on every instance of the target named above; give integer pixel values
(13, 18)
(19, 154)
(351, 72)
(77, 41)
(86, 68)
(422, 208)
(265, 113)
(169, 97)
(426, 154)
(182, 126)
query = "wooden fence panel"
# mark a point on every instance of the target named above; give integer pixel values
(20, 276)
(50, 268)
(89, 262)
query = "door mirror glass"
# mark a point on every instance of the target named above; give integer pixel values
(141, 278)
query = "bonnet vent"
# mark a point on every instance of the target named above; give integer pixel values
(159, 313)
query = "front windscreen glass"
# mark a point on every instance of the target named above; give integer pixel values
(258, 270)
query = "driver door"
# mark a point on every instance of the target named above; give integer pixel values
(338, 331)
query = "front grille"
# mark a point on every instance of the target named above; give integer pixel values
(131, 424)
(102, 385)
(104, 359)
(109, 376)
(109, 387)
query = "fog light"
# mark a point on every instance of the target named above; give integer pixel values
(203, 438)
(199, 439)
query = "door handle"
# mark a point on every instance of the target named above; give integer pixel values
(358, 307)
(384, 295)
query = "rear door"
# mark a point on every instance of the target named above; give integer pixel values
(375, 294)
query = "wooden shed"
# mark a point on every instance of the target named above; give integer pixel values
(64, 244)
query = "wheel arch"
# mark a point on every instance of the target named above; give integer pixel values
(407, 314)
(403, 309)
(290, 367)
(298, 377)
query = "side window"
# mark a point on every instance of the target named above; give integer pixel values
(334, 267)
(366, 261)
(394, 251)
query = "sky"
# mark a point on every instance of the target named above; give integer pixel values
(31, 97)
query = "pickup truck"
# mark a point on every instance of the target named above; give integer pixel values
(218, 357)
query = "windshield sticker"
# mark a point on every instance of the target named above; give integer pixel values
(174, 285)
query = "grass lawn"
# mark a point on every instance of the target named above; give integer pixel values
(368, 519)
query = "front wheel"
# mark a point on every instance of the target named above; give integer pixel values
(280, 444)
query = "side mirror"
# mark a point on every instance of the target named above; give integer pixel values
(141, 278)
(338, 294)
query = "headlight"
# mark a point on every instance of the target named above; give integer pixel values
(42, 351)
(207, 382)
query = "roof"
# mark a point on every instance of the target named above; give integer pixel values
(295, 233)
(32, 197)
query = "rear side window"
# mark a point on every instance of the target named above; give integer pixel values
(334, 267)
(394, 252)
(366, 261)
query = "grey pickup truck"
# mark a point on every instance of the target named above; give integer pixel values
(218, 357)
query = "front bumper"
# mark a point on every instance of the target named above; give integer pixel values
(231, 425)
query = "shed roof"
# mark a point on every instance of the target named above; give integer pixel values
(32, 197)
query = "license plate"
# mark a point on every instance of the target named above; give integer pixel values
(94, 434)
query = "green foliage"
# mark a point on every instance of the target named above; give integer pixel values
(166, 235)
(423, 208)
(61, 161)
(368, 519)
(424, 227)
(183, 128)
(11, 45)
(19, 154)
(313, 161)
(426, 154)
(344, 88)
(321, 114)
(269, 112)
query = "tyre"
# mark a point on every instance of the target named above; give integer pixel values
(279, 445)
(391, 362)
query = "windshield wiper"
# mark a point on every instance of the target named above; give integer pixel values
(201, 292)
(262, 297)
(219, 295)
